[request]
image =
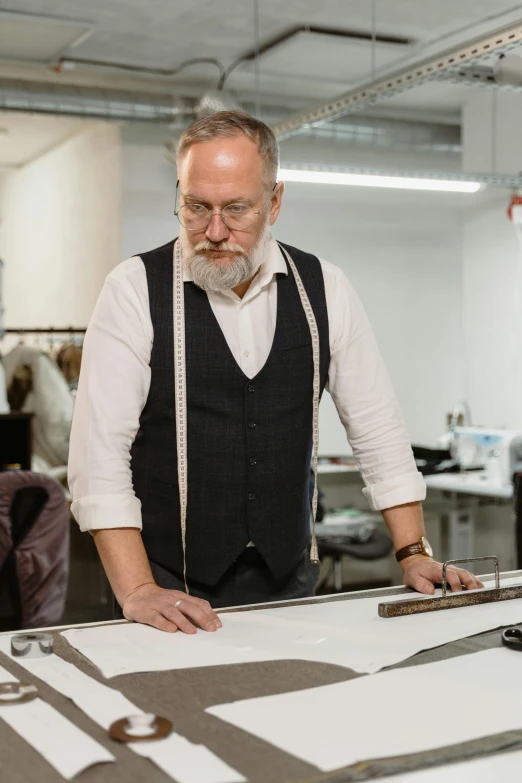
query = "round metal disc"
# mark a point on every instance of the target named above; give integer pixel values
(162, 726)
(18, 691)
(31, 645)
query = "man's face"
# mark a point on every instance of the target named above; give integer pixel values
(221, 172)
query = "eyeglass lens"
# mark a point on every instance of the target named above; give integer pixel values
(235, 216)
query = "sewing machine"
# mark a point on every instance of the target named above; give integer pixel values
(487, 458)
(498, 452)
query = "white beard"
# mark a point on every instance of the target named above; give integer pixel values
(210, 276)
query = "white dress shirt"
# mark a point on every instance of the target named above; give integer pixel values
(115, 380)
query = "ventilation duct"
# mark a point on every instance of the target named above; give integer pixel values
(178, 113)
(387, 134)
(381, 133)
(96, 103)
(368, 132)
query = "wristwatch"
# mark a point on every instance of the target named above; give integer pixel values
(422, 547)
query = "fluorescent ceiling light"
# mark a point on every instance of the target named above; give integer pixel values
(378, 181)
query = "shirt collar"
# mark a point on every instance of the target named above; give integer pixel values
(274, 264)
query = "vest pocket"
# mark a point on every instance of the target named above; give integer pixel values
(299, 347)
(161, 489)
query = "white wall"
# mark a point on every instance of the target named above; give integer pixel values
(492, 264)
(492, 313)
(60, 230)
(148, 192)
(401, 251)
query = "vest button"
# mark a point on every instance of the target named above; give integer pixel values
(253, 461)
(251, 496)
(251, 387)
(252, 424)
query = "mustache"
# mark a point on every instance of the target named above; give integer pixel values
(222, 246)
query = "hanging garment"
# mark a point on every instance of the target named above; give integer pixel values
(69, 359)
(35, 382)
(4, 405)
(1, 300)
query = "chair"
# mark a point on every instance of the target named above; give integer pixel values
(336, 547)
(34, 550)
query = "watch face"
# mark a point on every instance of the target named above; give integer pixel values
(426, 545)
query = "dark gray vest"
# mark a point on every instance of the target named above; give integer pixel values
(249, 441)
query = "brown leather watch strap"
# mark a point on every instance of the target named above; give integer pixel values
(408, 551)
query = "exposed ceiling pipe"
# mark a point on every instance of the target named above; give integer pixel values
(178, 113)
(389, 138)
(93, 103)
(409, 138)
(68, 63)
(377, 132)
(368, 132)
(390, 134)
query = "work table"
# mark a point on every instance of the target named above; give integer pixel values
(471, 483)
(183, 696)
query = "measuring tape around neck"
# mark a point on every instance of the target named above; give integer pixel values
(180, 390)
(314, 333)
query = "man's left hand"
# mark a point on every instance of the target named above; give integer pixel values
(423, 573)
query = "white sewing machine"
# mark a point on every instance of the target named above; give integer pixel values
(499, 452)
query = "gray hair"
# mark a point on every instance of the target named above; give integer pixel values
(232, 123)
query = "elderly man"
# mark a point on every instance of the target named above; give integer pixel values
(194, 422)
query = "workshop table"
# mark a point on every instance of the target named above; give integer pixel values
(183, 695)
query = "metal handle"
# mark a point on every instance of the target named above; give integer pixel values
(469, 560)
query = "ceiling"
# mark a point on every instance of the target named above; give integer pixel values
(24, 137)
(307, 68)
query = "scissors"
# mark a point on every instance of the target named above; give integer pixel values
(512, 638)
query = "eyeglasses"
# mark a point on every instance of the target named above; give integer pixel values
(237, 217)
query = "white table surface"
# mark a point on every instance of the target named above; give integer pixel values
(472, 483)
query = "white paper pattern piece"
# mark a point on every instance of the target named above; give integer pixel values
(176, 756)
(66, 747)
(463, 699)
(193, 763)
(347, 633)
(501, 767)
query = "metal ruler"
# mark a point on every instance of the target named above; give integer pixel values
(180, 389)
(455, 600)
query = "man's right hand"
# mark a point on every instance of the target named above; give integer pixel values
(155, 606)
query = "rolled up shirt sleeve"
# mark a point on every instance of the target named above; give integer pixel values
(363, 395)
(112, 392)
